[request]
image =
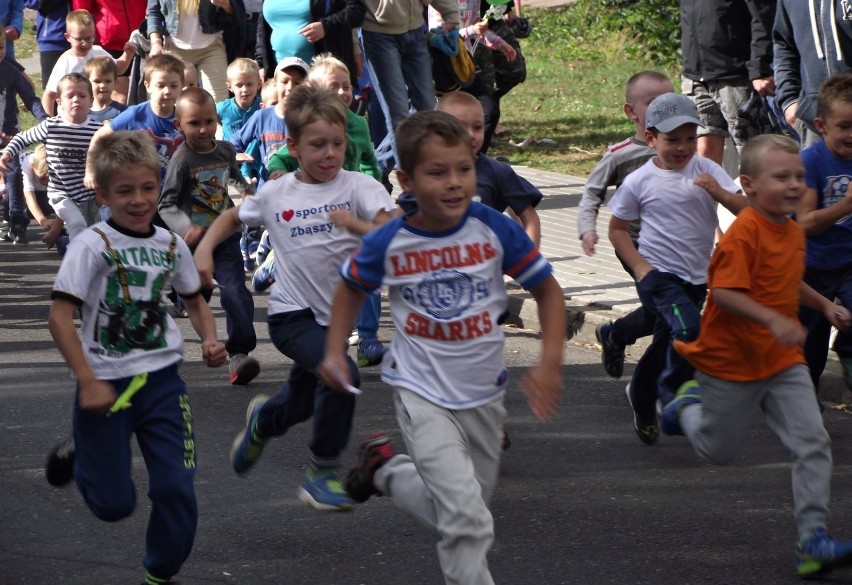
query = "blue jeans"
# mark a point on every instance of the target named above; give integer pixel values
(368, 319)
(830, 284)
(161, 418)
(402, 72)
(236, 299)
(15, 193)
(297, 335)
(676, 307)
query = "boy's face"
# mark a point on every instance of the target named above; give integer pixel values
(132, 197)
(76, 101)
(836, 129)
(286, 81)
(338, 82)
(81, 39)
(443, 183)
(198, 124)
(643, 94)
(269, 96)
(244, 87)
(319, 149)
(674, 149)
(190, 78)
(777, 189)
(472, 118)
(164, 88)
(102, 86)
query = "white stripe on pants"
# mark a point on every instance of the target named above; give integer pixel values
(447, 479)
(717, 429)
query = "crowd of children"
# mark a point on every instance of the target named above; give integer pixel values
(130, 195)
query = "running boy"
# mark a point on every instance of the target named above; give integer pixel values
(444, 265)
(66, 138)
(748, 356)
(315, 217)
(618, 161)
(674, 195)
(195, 193)
(825, 214)
(80, 33)
(126, 358)
(244, 82)
(102, 73)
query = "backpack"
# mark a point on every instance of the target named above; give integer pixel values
(452, 65)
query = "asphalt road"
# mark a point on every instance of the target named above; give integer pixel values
(580, 500)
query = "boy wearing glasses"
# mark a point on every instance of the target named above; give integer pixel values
(80, 33)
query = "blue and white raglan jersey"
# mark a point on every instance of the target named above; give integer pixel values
(446, 294)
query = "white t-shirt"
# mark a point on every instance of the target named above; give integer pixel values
(678, 219)
(309, 248)
(68, 62)
(122, 339)
(29, 179)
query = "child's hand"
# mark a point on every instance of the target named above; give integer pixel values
(334, 371)
(480, 27)
(193, 235)
(4, 162)
(341, 218)
(838, 316)
(542, 386)
(274, 175)
(509, 51)
(589, 239)
(96, 395)
(213, 353)
(708, 183)
(243, 157)
(129, 49)
(788, 331)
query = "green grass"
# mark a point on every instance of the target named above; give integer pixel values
(574, 92)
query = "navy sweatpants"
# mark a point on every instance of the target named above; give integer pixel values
(161, 418)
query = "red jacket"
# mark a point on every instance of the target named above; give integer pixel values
(114, 20)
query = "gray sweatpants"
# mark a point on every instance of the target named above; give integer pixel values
(717, 426)
(447, 479)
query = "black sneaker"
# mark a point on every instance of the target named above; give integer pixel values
(59, 467)
(612, 355)
(646, 427)
(376, 450)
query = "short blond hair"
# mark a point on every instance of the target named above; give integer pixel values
(756, 149)
(117, 151)
(324, 64)
(457, 98)
(81, 18)
(165, 64)
(242, 65)
(308, 103)
(39, 161)
(101, 66)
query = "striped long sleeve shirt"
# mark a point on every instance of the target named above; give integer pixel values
(66, 145)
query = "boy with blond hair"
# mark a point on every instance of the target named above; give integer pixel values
(243, 76)
(674, 195)
(67, 138)
(446, 359)
(315, 217)
(102, 73)
(194, 195)
(748, 356)
(80, 33)
(125, 358)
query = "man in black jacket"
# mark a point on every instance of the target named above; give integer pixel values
(727, 54)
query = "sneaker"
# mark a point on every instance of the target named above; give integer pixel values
(153, 580)
(248, 446)
(21, 239)
(59, 467)
(242, 369)
(354, 338)
(375, 451)
(819, 553)
(646, 427)
(670, 419)
(264, 276)
(612, 355)
(370, 352)
(5, 231)
(178, 309)
(322, 490)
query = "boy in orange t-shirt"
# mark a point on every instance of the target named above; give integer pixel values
(748, 355)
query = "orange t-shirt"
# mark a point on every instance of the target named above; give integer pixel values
(766, 261)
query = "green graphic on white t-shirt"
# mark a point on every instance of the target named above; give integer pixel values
(139, 324)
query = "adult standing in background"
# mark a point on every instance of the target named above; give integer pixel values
(12, 19)
(50, 32)
(727, 55)
(253, 48)
(812, 41)
(114, 21)
(194, 31)
(305, 28)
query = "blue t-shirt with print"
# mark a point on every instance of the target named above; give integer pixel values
(161, 130)
(830, 177)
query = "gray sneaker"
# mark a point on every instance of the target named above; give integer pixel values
(242, 369)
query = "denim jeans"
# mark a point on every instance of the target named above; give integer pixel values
(368, 319)
(831, 284)
(15, 194)
(402, 72)
(297, 335)
(676, 306)
(236, 299)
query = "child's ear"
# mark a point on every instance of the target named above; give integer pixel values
(649, 137)
(176, 122)
(404, 180)
(746, 184)
(820, 125)
(628, 111)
